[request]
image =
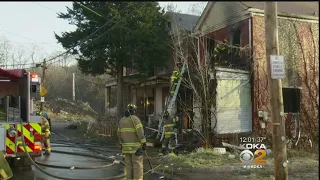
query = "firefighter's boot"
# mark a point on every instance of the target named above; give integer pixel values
(47, 153)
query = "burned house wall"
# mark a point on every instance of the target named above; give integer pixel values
(236, 34)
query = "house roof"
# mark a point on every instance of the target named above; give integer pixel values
(306, 8)
(186, 21)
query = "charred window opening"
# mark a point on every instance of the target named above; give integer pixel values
(291, 100)
(236, 40)
(236, 37)
(210, 48)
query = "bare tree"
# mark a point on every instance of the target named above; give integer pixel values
(200, 77)
(197, 8)
(5, 48)
(171, 7)
(308, 75)
(13, 56)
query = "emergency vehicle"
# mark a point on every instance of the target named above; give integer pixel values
(17, 90)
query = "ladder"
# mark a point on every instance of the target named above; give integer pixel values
(171, 99)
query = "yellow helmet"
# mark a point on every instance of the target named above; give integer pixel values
(132, 107)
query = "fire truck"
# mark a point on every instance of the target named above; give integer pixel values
(17, 91)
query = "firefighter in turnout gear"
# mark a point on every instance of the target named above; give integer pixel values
(5, 170)
(174, 81)
(45, 133)
(169, 136)
(133, 142)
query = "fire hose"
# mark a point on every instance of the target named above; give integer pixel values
(79, 144)
(121, 176)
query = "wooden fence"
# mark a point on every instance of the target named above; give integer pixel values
(104, 128)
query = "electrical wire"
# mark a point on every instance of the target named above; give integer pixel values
(87, 38)
(46, 7)
(29, 38)
(81, 41)
(89, 80)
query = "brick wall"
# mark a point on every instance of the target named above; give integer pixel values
(301, 58)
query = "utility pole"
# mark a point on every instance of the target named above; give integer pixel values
(73, 88)
(275, 89)
(44, 67)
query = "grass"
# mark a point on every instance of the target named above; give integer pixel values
(204, 161)
(201, 158)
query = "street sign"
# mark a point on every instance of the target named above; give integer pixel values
(277, 67)
(43, 90)
(42, 99)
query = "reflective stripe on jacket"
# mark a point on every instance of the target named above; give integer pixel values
(131, 136)
(44, 125)
(168, 128)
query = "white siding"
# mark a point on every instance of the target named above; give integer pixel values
(234, 111)
(197, 115)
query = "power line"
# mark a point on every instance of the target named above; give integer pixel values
(87, 38)
(92, 11)
(101, 35)
(28, 38)
(89, 80)
(46, 7)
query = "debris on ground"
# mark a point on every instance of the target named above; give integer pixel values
(63, 109)
(71, 127)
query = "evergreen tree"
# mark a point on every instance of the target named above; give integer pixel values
(135, 36)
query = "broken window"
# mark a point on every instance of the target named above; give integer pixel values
(291, 100)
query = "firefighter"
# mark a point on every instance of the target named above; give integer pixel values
(45, 134)
(133, 142)
(5, 170)
(169, 141)
(45, 115)
(174, 80)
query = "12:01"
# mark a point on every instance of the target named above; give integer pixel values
(247, 139)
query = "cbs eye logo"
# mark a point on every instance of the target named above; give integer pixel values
(247, 157)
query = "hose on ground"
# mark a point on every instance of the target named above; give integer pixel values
(75, 167)
(81, 145)
(59, 177)
(94, 150)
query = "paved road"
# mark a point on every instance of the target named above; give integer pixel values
(73, 161)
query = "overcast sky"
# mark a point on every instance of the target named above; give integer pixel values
(27, 23)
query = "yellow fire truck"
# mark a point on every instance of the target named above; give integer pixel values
(17, 89)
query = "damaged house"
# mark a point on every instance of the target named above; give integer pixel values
(242, 101)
